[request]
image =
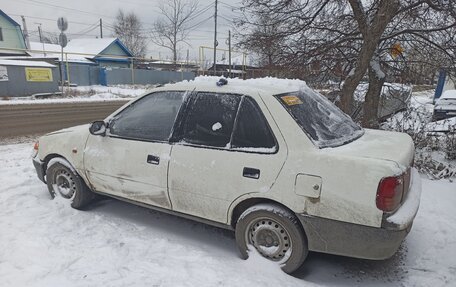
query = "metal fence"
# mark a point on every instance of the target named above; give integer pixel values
(17, 84)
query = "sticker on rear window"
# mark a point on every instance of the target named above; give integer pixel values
(291, 100)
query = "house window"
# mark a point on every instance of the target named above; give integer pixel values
(1, 34)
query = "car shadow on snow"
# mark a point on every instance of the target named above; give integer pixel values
(172, 226)
(347, 271)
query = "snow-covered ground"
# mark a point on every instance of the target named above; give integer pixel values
(46, 243)
(85, 94)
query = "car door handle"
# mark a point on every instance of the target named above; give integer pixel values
(153, 159)
(251, 173)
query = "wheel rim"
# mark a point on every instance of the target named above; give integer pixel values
(64, 184)
(269, 238)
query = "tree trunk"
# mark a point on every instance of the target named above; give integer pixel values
(371, 32)
(372, 100)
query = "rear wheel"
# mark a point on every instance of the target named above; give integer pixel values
(63, 181)
(275, 233)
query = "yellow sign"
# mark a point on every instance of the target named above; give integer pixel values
(38, 74)
(291, 100)
(396, 50)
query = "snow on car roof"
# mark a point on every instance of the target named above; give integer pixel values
(449, 94)
(268, 85)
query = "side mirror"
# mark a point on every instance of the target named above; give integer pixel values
(98, 128)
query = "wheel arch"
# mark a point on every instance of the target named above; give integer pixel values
(243, 205)
(48, 157)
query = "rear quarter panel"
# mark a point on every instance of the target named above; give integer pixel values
(348, 183)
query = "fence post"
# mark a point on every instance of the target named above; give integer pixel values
(440, 84)
(67, 69)
(132, 72)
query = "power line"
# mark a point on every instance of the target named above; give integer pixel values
(40, 3)
(48, 19)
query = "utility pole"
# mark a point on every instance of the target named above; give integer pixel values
(41, 38)
(26, 35)
(229, 53)
(39, 32)
(215, 40)
(187, 60)
(101, 28)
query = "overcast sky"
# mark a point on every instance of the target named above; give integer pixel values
(83, 17)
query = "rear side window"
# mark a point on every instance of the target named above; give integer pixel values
(252, 131)
(324, 123)
(210, 119)
(150, 118)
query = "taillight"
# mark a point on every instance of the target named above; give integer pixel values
(389, 193)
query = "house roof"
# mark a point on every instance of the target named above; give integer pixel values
(44, 50)
(53, 51)
(93, 47)
(25, 63)
(79, 50)
(8, 18)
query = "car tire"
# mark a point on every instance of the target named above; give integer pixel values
(275, 233)
(65, 182)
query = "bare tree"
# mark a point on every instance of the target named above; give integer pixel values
(128, 28)
(353, 39)
(173, 29)
(265, 40)
(50, 38)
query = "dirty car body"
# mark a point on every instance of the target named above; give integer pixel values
(211, 153)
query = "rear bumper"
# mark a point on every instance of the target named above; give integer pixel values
(366, 242)
(40, 168)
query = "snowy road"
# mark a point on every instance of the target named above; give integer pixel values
(46, 243)
(25, 119)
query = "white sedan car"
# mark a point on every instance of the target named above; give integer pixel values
(271, 159)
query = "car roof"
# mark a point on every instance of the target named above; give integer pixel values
(265, 86)
(449, 94)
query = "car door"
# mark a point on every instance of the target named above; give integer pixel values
(211, 165)
(131, 161)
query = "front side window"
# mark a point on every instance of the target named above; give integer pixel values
(252, 131)
(150, 118)
(321, 120)
(210, 119)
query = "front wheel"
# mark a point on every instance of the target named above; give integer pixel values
(65, 182)
(275, 233)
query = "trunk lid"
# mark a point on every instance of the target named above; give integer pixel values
(383, 145)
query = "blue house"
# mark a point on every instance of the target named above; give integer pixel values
(106, 52)
(85, 61)
(11, 39)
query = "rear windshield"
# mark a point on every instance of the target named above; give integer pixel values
(321, 120)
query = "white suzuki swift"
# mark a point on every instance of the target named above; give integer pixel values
(271, 159)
